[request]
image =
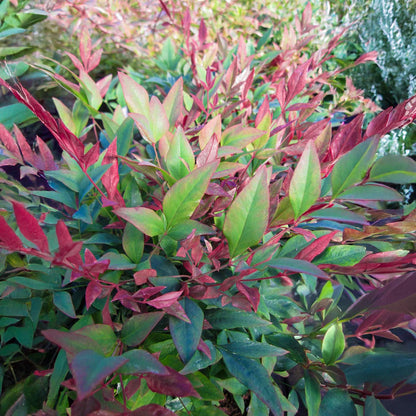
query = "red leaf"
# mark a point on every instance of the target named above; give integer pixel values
(9, 142)
(174, 384)
(47, 161)
(316, 247)
(251, 293)
(26, 150)
(297, 81)
(92, 155)
(29, 227)
(111, 177)
(209, 152)
(140, 277)
(94, 60)
(165, 300)
(92, 292)
(203, 347)
(202, 33)
(367, 57)
(68, 249)
(8, 238)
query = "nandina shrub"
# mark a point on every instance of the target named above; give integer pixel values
(227, 238)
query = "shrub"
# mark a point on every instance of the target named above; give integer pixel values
(223, 237)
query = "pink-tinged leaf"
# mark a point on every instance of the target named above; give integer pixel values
(138, 327)
(185, 195)
(94, 60)
(247, 218)
(339, 214)
(165, 300)
(176, 310)
(306, 16)
(316, 247)
(209, 153)
(140, 277)
(251, 293)
(212, 127)
(110, 179)
(104, 84)
(85, 46)
(175, 384)
(77, 63)
(8, 238)
(305, 186)
(367, 57)
(93, 291)
(137, 98)
(92, 155)
(240, 136)
(27, 153)
(90, 369)
(145, 219)
(9, 142)
(173, 102)
(297, 81)
(67, 248)
(202, 33)
(29, 227)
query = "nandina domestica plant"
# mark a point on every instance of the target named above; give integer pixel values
(222, 244)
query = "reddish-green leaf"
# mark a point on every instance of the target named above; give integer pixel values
(141, 361)
(185, 195)
(138, 327)
(144, 219)
(370, 193)
(247, 218)
(255, 377)
(240, 136)
(339, 214)
(137, 98)
(211, 128)
(394, 169)
(305, 186)
(333, 344)
(352, 167)
(29, 227)
(180, 157)
(186, 336)
(90, 369)
(173, 102)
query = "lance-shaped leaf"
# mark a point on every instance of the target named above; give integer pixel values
(370, 192)
(173, 102)
(186, 336)
(305, 186)
(338, 402)
(352, 167)
(255, 377)
(180, 157)
(138, 327)
(90, 368)
(312, 393)
(240, 136)
(136, 97)
(185, 195)
(29, 227)
(394, 169)
(144, 219)
(212, 127)
(297, 266)
(344, 255)
(8, 238)
(141, 361)
(247, 217)
(333, 344)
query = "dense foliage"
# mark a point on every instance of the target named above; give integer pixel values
(223, 240)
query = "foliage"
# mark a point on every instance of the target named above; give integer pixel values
(226, 234)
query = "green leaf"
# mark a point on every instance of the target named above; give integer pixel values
(102, 334)
(255, 377)
(63, 301)
(65, 197)
(305, 186)
(124, 137)
(287, 342)
(96, 173)
(141, 361)
(205, 387)
(136, 97)
(186, 336)
(373, 407)
(180, 157)
(200, 360)
(32, 283)
(144, 219)
(394, 169)
(333, 344)
(253, 349)
(60, 370)
(90, 369)
(370, 193)
(182, 230)
(247, 217)
(133, 243)
(337, 402)
(185, 195)
(263, 40)
(297, 266)
(233, 318)
(344, 255)
(138, 327)
(15, 113)
(352, 167)
(312, 393)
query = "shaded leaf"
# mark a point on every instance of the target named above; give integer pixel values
(337, 402)
(333, 343)
(141, 361)
(297, 266)
(138, 327)
(370, 193)
(233, 318)
(312, 393)
(394, 169)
